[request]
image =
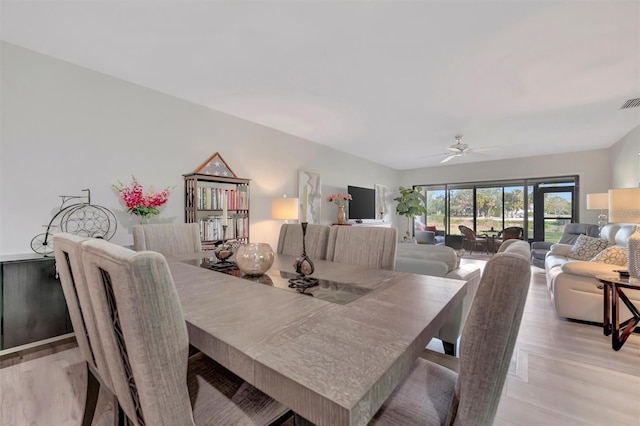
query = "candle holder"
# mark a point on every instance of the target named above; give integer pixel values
(303, 266)
(224, 251)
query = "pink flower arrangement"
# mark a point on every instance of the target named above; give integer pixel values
(139, 203)
(340, 199)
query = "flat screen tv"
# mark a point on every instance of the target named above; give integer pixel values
(363, 203)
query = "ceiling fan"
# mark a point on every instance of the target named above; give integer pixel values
(459, 149)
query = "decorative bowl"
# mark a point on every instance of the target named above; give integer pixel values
(254, 258)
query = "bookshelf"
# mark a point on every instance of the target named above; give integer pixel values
(212, 190)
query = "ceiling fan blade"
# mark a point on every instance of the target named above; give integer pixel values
(487, 148)
(454, 149)
(449, 158)
(477, 154)
(435, 155)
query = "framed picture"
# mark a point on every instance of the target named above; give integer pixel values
(310, 196)
(382, 210)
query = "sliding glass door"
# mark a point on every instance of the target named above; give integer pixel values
(554, 207)
(540, 206)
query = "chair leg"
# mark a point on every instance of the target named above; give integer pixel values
(449, 348)
(91, 401)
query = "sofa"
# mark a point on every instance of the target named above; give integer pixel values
(539, 249)
(441, 261)
(575, 291)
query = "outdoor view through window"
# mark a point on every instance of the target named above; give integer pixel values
(542, 207)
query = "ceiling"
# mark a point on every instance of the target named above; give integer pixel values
(389, 81)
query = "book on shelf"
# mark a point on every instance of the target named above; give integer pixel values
(211, 227)
(210, 198)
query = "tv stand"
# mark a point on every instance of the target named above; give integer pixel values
(370, 222)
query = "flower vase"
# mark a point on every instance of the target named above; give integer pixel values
(144, 219)
(341, 215)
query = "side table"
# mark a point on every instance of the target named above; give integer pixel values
(620, 332)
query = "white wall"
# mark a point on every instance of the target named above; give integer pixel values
(65, 128)
(592, 167)
(624, 161)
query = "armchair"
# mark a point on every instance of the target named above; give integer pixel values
(474, 241)
(539, 249)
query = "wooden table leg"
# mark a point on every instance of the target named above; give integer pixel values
(606, 321)
(629, 325)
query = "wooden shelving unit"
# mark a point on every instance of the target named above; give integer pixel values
(207, 190)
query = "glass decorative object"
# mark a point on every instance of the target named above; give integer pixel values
(254, 258)
(341, 215)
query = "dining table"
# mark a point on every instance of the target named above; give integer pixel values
(332, 353)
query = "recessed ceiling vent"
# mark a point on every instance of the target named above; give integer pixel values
(631, 103)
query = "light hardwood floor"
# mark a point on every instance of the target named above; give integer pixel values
(562, 373)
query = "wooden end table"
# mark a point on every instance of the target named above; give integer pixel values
(620, 332)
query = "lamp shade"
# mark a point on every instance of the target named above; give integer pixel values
(598, 201)
(624, 205)
(284, 208)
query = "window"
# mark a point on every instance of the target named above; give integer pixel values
(541, 206)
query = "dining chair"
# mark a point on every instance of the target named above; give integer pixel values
(370, 246)
(67, 252)
(167, 238)
(474, 240)
(432, 394)
(290, 240)
(144, 333)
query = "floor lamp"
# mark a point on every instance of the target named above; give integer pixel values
(624, 207)
(599, 202)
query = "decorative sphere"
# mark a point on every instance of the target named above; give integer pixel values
(254, 258)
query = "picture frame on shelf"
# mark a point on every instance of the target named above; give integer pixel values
(310, 195)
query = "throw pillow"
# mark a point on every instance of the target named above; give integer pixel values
(430, 228)
(612, 255)
(586, 247)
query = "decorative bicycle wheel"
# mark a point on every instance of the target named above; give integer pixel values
(42, 243)
(89, 221)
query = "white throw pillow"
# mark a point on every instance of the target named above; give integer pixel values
(586, 247)
(612, 255)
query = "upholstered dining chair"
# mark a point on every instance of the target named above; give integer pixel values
(144, 334)
(474, 240)
(290, 240)
(370, 246)
(167, 238)
(67, 251)
(434, 395)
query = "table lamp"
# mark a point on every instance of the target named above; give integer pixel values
(624, 207)
(599, 202)
(284, 208)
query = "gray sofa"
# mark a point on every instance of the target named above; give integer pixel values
(575, 291)
(539, 249)
(430, 237)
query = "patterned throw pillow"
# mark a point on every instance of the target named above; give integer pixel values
(586, 247)
(612, 255)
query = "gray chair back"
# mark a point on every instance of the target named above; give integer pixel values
(573, 230)
(488, 339)
(425, 237)
(167, 238)
(144, 333)
(68, 254)
(290, 240)
(374, 247)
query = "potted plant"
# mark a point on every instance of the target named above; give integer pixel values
(411, 203)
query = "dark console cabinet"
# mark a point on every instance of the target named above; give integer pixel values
(32, 304)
